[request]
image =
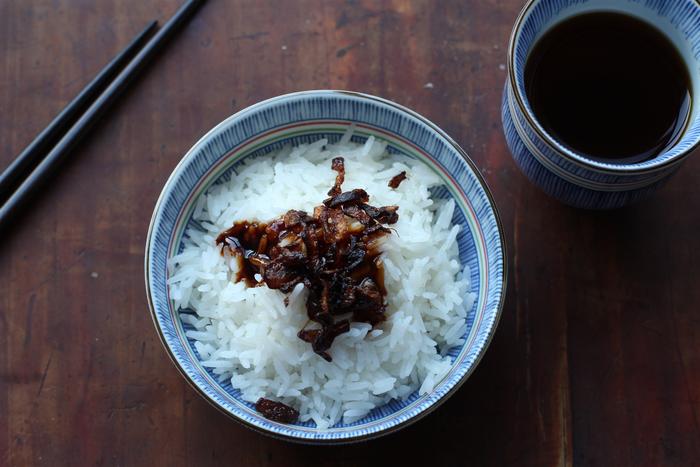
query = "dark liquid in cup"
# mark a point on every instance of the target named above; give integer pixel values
(609, 87)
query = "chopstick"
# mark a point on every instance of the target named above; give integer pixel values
(28, 159)
(47, 167)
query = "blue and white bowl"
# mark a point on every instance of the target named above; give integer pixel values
(303, 117)
(562, 173)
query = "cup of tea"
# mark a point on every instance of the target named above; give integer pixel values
(598, 108)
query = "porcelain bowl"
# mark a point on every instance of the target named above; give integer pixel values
(304, 117)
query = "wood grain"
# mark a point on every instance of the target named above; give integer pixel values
(597, 357)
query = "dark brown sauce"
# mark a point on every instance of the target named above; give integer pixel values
(334, 252)
(609, 86)
(244, 236)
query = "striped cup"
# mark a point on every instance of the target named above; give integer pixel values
(569, 176)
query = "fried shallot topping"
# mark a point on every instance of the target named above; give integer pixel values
(276, 411)
(397, 179)
(334, 253)
(337, 164)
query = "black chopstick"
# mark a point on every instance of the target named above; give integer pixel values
(47, 167)
(28, 159)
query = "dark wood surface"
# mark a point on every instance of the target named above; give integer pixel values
(596, 361)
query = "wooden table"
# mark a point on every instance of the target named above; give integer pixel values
(597, 356)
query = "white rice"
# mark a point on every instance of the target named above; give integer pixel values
(248, 335)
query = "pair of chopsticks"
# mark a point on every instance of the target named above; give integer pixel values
(39, 161)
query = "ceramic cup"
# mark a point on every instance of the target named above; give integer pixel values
(570, 177)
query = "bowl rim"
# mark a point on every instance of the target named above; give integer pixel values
(383, 431)
(649, 167)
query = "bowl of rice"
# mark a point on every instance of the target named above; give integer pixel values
(304, 349)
